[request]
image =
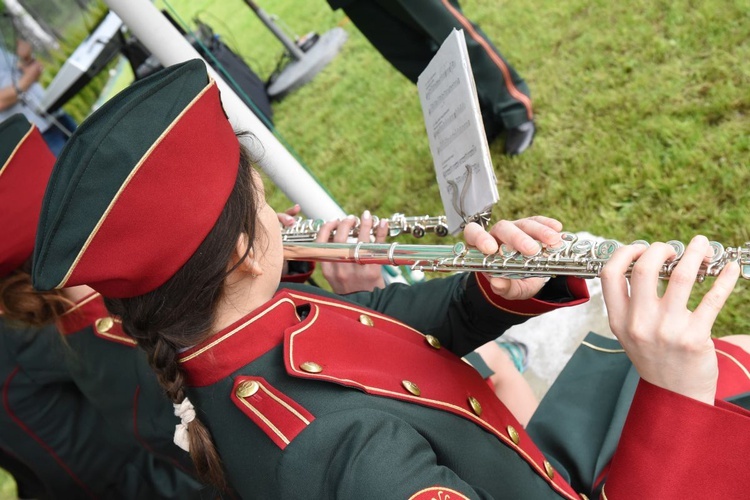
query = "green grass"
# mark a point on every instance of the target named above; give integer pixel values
(642, 113)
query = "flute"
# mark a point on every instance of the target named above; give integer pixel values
(574, 257)
(306, 230)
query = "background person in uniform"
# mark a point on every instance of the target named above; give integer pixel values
(408, 34)
(302, 393)
(21, 92)
(84, 412)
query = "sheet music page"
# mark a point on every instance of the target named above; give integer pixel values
(458, 143)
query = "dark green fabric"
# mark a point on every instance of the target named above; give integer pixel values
(580, 419)
(408, 34)
(94, 456)
(94, 166)
(119, 382)
(11, 132)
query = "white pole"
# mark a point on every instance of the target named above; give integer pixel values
(163, 40)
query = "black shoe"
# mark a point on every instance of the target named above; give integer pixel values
(518, 139)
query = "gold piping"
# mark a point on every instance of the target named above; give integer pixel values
(81, 303)
(736, 361)
(440, 489)
(265, 420)
(602, 349)
(229, 334)
(284, 404)
(15, 150)
(134, 171)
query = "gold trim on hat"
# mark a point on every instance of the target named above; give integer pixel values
(15, 150)
(134, 171)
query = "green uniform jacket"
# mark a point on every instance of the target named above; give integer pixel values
(600, 375)
(312, 396)
(48, 425)
(115, 377)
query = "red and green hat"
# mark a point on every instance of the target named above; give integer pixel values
(25, 166)
(138, 186)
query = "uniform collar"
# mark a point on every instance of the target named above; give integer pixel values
(240, 343)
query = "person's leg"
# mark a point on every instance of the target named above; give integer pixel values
(390, 29)
(503, 95)
(510, 386)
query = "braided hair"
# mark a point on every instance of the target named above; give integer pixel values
(181, 312)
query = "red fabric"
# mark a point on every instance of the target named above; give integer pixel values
(239, 344)
(673, 447)
(269, 405)
(169, 206)
(22, 183)
(534, 307)
(733, 379)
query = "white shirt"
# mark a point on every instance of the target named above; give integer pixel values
(9, 73)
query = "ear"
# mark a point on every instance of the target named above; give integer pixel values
(246, 257)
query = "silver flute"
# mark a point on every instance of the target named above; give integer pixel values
(306, 230)
(573, 257)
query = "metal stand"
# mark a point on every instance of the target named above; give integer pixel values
(308, 57)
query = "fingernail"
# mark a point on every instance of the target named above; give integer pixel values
(383, 223)
(366, 215)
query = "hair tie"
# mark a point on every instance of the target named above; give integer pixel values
(186, 412)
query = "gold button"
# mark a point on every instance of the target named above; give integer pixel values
(549, 470)
(433, 341)
(247, 388)
(365, 320)
(474, 403)
(411, 387)
(513, 433)
(103, 325)
(311, 367)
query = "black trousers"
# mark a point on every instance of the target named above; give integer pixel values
(408, 33)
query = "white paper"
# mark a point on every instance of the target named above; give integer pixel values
(456, 133)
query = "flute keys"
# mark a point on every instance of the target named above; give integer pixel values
(718, 251)
(605, 249)
(679, 248)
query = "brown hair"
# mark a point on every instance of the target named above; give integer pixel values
(19, 302)
(180, 313)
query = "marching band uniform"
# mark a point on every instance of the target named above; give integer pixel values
(49, 422)
(315, 395)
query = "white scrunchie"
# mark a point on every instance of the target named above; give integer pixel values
(186, 412)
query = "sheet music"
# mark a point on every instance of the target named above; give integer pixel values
(458, 143)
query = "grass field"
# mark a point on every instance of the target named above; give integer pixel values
(642, 108)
